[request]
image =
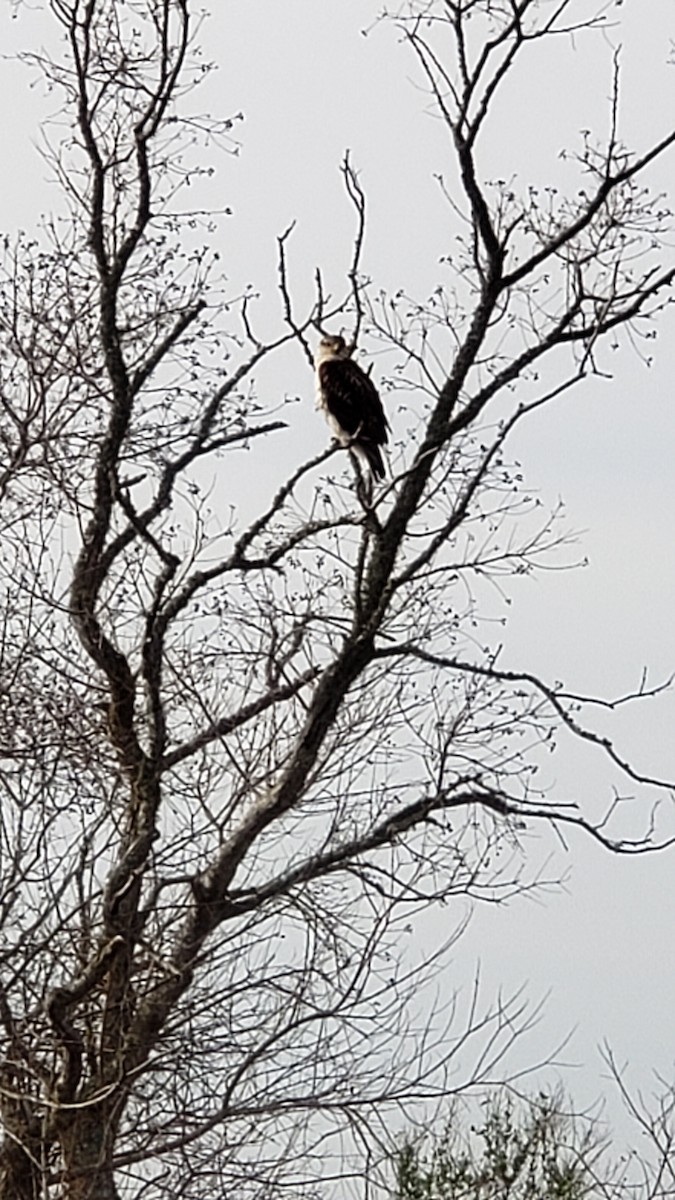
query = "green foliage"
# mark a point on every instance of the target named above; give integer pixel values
(521, 1150)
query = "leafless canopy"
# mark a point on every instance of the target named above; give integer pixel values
(243, 743)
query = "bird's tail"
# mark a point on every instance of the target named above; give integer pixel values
(372, 454)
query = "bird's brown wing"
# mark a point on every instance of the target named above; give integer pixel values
(353, 400)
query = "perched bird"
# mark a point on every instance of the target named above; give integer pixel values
(350, 403)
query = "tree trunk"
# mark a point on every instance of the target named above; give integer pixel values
(87, 1143)
(19, 1175)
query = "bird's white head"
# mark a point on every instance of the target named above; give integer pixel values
(331, 346)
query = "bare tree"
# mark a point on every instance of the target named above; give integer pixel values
(239, 753)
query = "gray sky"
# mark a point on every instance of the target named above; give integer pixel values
(310, 85)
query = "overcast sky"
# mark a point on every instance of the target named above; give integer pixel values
(310, 85)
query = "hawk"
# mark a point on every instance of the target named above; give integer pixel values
(350, 403)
